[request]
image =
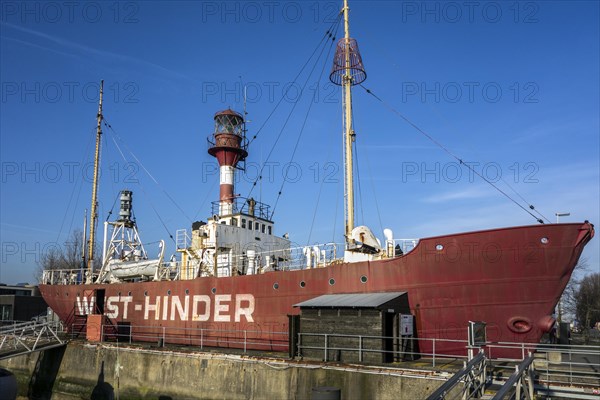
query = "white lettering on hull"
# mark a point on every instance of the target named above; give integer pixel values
(206, 315)
(85, 306)
(203, 308)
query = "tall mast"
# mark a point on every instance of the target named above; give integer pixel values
(347, 71)
(94, 209)
(348, 132)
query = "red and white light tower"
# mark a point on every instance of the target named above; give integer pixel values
(229, 145)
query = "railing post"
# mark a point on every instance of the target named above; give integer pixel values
(245, 338)
(523, 351)
(570, 367)
(201, 338)
(163, 337)
(130, 332)
(299, 344)
(325, 348)
(360, 357)
(434, 352)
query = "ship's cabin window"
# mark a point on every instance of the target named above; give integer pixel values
(262, 228)
(269, 229)
(243, 222)
(256, 226)
(223, 222)
(234, 221)
(250, 225)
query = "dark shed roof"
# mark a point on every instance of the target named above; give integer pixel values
(354, 300)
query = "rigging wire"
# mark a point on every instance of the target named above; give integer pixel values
(385, 54)
(322, 183)
(445, 149)
(327, 34)
(109, 126)
(362, 214)
(208, 194)
(259, 177)
(337, 204)
(145, 193)
(373, 189)
(371, 179)
(77, 183)
(311, 103)
(113, 207)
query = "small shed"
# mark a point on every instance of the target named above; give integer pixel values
(356, 327)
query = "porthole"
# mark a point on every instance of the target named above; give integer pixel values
(276, 285)
(169, 292)
(544, 240)
(145, 293)
(439, 247)
(363, 279)
(187, 291)
(119, 294)
(67, 294)
(213, 290)
(332, 281)
(129, 293)
(302, 284)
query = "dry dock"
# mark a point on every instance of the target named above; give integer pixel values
(78, 370)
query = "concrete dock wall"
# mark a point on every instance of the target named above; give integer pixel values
(84, 371)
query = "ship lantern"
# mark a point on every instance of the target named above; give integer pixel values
(228, 145)
(125, 210)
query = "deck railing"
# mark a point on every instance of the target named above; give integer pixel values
(301, 257)
(198, 337)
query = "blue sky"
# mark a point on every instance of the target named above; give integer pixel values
(511, 86)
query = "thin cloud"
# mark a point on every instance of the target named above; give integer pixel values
(466, 194)
(84, 51)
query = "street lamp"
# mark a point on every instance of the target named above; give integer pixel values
(558, 215)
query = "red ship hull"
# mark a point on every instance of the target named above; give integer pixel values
(510, 278)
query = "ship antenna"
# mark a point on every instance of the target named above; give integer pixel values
(347, 71)
(94, 209)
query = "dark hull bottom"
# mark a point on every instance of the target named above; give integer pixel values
(509, 278)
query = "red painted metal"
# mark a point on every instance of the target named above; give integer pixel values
(511, 278)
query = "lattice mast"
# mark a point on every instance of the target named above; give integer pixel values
(125, 243)
(347, 71)
(94, 208)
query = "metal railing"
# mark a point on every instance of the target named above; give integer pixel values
(473, 374)
(26, 337)
(242, 205)
(521, 380)
(244, 339)
(293, 258)
(361, 345)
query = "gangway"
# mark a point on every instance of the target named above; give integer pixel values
(521, 382)
(473, 374)
(27, 337)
